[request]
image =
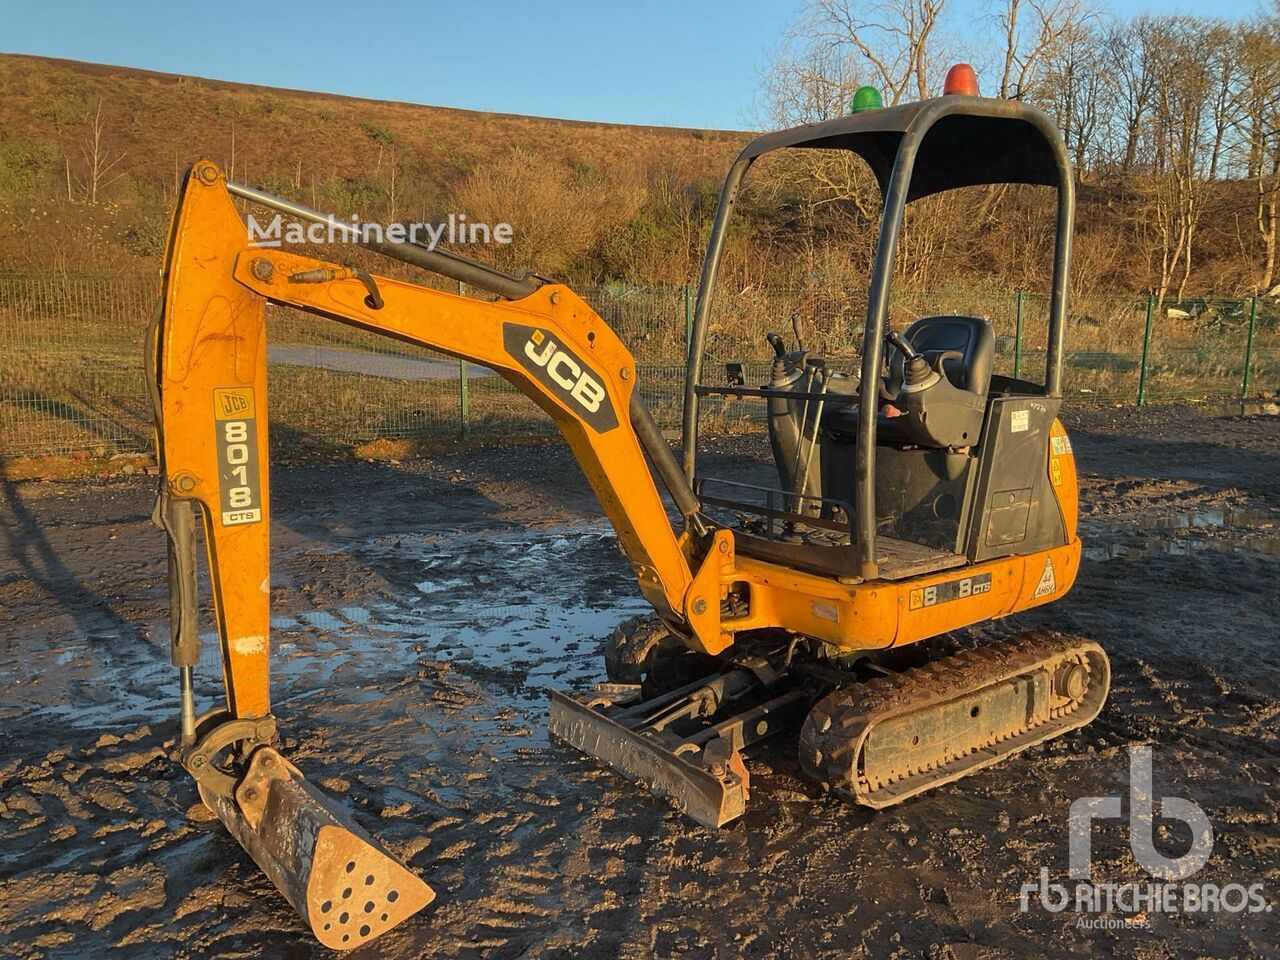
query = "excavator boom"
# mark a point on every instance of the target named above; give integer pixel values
(208, 351)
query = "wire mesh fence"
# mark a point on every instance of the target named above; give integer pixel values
(71, 368)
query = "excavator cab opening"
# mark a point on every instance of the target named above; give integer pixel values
(917, 496)
(901, 467)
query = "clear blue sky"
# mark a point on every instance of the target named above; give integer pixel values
(692, 63)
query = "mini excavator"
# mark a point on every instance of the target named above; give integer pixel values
(918, 495)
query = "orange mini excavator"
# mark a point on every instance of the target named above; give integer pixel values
(918, 495)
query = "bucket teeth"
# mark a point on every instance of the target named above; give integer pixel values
(343, 883)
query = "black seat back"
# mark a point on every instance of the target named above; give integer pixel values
(972, 337)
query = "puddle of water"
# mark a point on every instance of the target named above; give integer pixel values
(1264, 546)
(1251, 532)
(1206, 517)
(505, 614)
(522, 610)
(356, 614)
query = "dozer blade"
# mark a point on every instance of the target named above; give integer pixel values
(890, 738)
(334, 874)
(712, 791)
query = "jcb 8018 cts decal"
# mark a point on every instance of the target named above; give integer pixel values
(236, 422)
(951, 590)
(556, 366)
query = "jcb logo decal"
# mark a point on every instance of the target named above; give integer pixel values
(234, 402)
(556, 366)
(565, 371)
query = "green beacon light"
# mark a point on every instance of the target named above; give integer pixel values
(866, 98)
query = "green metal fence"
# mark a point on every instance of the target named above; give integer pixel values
(71, 364)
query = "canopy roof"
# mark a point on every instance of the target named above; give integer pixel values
(964, 141)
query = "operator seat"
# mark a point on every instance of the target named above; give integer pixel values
(940, 411)
(971, 337)
(950, 413)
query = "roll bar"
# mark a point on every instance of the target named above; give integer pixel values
(914, 150)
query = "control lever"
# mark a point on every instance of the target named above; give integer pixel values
(798, 330)
(899, 341)
(916, 372)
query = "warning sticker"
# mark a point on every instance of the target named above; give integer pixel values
(1055, 471)
(1060, 444)
(1048, 583)
(1019, 421)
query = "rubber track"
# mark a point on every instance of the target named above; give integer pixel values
(834, 729)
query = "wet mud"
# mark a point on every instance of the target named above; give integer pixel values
(421, 611)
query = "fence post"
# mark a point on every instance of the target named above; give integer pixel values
(464, 391)
(1248, 349)
(688, 319)
(1017, 342)
(1146, 350)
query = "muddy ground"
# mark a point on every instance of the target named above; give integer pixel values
(422, 609)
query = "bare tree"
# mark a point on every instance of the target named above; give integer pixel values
(1129, 55)
(1221, 44)
(392, 196)
(810, 80)
(1077, 92)
(1259, 126)
(1183, 81)
(835, 47)
(1171, 107)
(1033, 32)
(100, 164)
(887, 41)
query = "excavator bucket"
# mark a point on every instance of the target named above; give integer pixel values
(347, 887)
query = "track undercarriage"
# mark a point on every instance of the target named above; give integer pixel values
(875, 730)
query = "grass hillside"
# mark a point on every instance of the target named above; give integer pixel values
(591, 203)
(91, 157)
(342, 154)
